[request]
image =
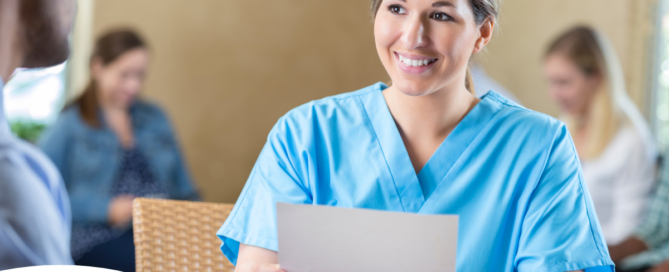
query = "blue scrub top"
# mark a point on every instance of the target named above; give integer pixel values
(511, 174)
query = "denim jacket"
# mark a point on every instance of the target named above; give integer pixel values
(89, 158)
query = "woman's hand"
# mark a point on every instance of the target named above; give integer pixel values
(663, 267)
(627, 248)
(256, 259)
(257, 267)
(120, 210)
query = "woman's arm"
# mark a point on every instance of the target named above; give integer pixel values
(627, 248)
(256, 259)
(560, 203)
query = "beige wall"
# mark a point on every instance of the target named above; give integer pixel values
(227, 70)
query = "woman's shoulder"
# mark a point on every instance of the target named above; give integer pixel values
(69, 117)
(522, 119)
(69, 113)
(149, 114)
(344, 103)
(630, 140)
(148, 108)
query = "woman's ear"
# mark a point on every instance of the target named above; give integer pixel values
(486, 29)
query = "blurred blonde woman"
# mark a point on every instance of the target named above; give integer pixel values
(613, 142)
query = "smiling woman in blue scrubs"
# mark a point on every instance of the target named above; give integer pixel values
(427, 145)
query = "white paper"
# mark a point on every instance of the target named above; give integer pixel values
(330, 239)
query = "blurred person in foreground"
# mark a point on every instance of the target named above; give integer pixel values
(111, 147)
(648, 248)
(616, 148)
(34, 207)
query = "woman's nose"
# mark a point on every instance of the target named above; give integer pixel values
(415, 33)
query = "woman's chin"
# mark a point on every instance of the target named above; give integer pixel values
(414, 88)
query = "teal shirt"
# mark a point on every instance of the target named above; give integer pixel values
(511, 174)
(89, 158)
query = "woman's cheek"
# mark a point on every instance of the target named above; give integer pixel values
(387, 30)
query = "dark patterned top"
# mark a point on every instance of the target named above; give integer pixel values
(134, 178)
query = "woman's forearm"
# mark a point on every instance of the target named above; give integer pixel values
(627, 248)
(256, 259)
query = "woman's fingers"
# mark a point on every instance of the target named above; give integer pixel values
(272, 268)
(257, 267)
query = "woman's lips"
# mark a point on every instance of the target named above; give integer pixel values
(414, 64)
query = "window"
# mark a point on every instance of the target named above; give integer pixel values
(661, 80)
(33, 99)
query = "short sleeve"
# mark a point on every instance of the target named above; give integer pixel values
(277, 176)
(560, 231)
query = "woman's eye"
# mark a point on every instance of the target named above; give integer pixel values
(440, 16)
(397, 9)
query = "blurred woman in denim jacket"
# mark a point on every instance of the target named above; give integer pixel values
(112, 147)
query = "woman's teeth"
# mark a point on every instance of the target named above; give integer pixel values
(415, 63)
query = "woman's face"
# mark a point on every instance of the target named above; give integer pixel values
(568, 85)
(425, 45)
(120, 81)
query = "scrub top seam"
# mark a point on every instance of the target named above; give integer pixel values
(378, 141)
(543, 169)
(578, 266)
(344, 96)
(250, 240)
(242, 197)
(534, 189)
(495, 96)
(587, 210)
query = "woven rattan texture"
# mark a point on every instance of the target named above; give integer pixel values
(177, 236)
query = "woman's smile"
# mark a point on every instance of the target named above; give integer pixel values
(414, 64)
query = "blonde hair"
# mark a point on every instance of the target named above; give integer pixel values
(483, 9)
(581, 46)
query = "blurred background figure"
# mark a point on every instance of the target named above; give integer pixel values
(34, 209)
(613, 141)
(648, 248)
(111, 147)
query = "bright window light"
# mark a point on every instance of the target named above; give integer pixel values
(35, 95)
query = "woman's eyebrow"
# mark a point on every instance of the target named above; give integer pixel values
(438, 4)
(442, 4)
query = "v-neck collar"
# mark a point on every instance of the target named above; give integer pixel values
(451, 149)
(413, 189)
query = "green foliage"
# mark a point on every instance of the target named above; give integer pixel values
(29, 131)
